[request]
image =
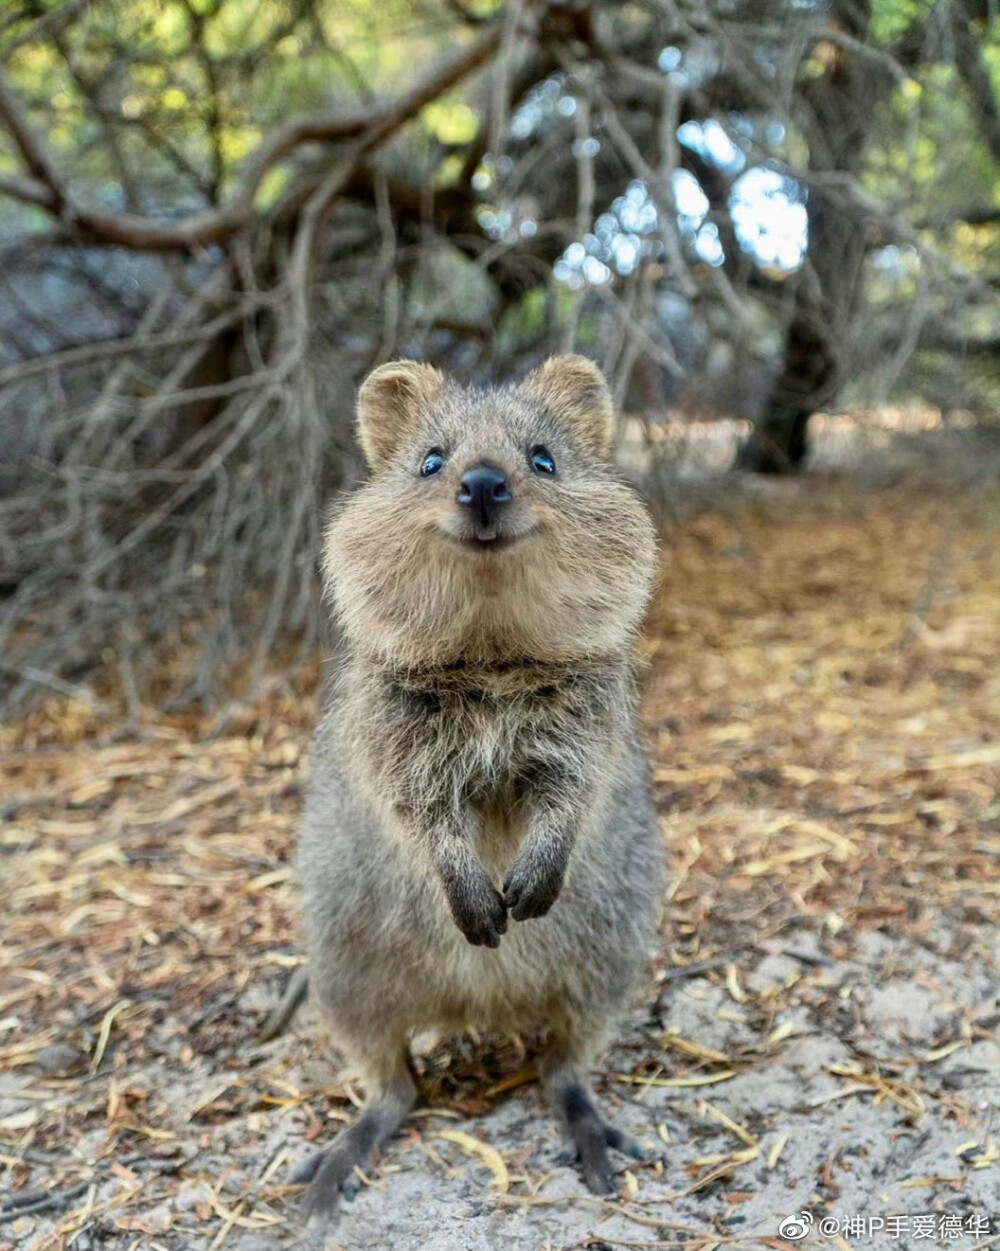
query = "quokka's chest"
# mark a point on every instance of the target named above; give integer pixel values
(495, 735)
(426, 742)
(498, 757)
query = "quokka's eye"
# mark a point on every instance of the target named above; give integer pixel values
(432, 463)
(542, 460)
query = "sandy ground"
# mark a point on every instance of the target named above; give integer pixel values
(818, 1033)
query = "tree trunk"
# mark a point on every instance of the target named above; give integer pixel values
(840, 104)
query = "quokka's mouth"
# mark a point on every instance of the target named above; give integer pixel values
(487, 543)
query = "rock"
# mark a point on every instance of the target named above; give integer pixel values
(60, 1060)
(189, 1197)
(904, 1010)
(693, 1012)
(981, 1057)
(774, 973)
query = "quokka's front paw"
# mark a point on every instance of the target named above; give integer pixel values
(533, 885)
(479, 911)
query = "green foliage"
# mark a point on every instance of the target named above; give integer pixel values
(890, 18)
(171, 95)
(154, 106)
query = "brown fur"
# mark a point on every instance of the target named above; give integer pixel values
(479, 760)
(392, 398)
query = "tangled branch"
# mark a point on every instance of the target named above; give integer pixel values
(162, 495)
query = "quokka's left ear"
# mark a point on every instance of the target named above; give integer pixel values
(576, 393)
(392, 399)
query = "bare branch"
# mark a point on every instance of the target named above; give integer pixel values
(54, 20)
(976, 76)
(370, 128)
(937, 336)
(972, 215)
(31, 146)
(29, 192)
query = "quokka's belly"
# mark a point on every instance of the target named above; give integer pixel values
(520, 985)
(584, 951)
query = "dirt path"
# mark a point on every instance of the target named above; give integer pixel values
(819, 1031)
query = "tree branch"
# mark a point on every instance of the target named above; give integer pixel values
(937, 336)
(28, 191)
(976, 76)
(974, 215)
(32, 148)
(370, 128)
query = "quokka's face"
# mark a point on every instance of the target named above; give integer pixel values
(486, 473)
(493, 523)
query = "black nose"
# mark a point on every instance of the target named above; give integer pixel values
(484, 488)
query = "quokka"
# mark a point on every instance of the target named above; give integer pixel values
(479, 847)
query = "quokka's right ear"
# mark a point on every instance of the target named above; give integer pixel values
(392, 398)
(576, 393)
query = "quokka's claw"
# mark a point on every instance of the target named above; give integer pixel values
(530, 894)
(335, 1179)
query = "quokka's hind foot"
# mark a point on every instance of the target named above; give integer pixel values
(333, 1174)
(589, 1135)
(595, 1164)
(590, 1138)
(623, 1143)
